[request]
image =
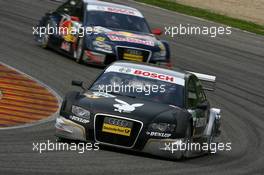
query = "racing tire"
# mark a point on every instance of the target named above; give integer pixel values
(211, 138)
(78, 52)
(45, 40)
(187, 140)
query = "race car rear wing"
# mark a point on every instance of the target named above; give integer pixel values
(208, 81)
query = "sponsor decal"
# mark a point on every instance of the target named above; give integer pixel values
(125, 70)
(118, 10)
(128, 34)
(69, 26)
(154, 75)
(161, 46)
(100, 39)
(158, 134)
(81, 120)
(131, 40)
(96, 95)
(147, 74)
(116, 130)
(66, 46)
(117, 126)
(125, 107)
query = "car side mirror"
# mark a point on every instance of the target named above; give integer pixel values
(156, 31)
(78, 83)
(203, 106)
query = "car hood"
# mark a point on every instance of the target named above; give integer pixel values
(125, 38)
(134, 108)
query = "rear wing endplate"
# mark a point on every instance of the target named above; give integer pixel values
(208, 81)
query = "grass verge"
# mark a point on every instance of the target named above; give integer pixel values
(206, 14)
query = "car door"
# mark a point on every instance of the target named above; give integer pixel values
(197, 105)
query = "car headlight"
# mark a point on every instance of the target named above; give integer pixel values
(102, 46)
(159, 55)
(80, 112)
(162, 127)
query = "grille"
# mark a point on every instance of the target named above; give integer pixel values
(133, 54)
(116, 139)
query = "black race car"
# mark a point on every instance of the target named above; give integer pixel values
(97, 32)
(143, 108)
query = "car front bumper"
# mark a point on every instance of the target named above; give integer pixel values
(166, 148)
(159, 147)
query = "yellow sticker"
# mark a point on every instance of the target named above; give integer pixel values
(116, 129)
(162, 47)
(132, 57)
(100, 39)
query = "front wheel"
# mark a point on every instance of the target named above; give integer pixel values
(45, 38)
(187, 140)
(211, 138)
(78, 52)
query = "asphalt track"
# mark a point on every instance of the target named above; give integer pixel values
(237, 61)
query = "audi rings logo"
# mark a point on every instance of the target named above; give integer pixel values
(118, 122)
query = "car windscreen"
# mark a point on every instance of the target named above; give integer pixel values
(140, 87)
(117, 21)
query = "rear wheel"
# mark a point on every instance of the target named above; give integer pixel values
(211, 138)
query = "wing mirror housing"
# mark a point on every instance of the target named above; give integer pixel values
(156, 31)
(78, 84)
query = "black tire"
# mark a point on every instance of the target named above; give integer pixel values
(78, 52)
(211, 138)
(45, 39)
(187, 140)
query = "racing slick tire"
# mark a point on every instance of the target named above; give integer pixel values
(211, 138)
(187, 140)
(45, 39)
(78, 52)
